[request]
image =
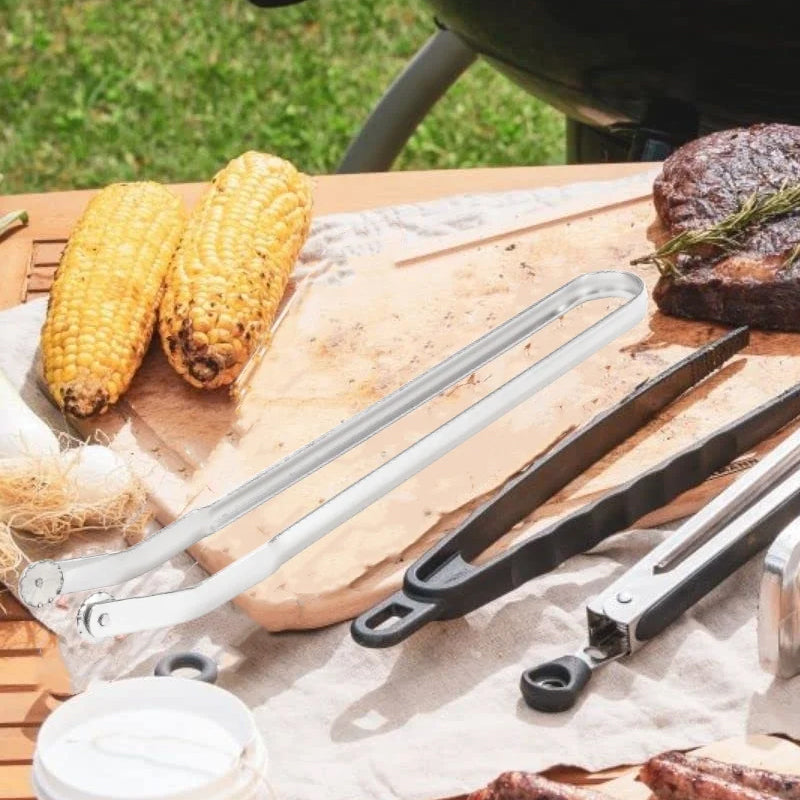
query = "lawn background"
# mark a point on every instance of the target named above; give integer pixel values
(95, 91)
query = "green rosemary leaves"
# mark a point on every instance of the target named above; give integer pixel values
(727, 234)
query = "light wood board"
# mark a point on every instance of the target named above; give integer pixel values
(347, 343)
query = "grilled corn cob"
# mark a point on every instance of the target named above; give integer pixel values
(105, 294)
(232, 267)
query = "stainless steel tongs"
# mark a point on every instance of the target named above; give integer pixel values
(102, 616)
(705, 550)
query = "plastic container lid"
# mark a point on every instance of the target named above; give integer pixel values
(151, 739)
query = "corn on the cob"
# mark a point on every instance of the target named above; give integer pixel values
(232, 267)
(105, 294)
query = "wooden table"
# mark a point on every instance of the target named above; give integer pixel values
(32, 678)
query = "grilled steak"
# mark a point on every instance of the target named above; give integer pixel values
(705, 181)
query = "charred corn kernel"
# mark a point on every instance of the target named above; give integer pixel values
(232, 267)
(105, 294)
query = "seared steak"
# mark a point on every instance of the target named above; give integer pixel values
(705, 181)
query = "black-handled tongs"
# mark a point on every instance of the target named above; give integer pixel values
(444, 583)
(683, 569)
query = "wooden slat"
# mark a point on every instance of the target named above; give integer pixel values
(47, 252)
(15, 256)
(31, 672)
(40, 279)
(22, 637)
(23, 709)
(53, 674)
(36, 295)
(15, 783)
(23, 672)
(16, 745)
(10, 607)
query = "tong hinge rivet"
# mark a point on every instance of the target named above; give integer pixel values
(624, 597)
(103, 620)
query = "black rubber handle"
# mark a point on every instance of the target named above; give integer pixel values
(206, 667)
(556, 685)
(392, 620)
(447, 568)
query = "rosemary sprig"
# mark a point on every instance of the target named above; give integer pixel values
(792, 257)
(727, 234)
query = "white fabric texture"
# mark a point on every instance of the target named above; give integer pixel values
(442, 714)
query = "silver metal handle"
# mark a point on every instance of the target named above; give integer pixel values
(740, 495)
(102, 616)
(45, 580)
(733, 517)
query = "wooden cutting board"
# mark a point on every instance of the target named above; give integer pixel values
(370, 326)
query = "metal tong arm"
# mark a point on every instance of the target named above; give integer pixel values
(706, 548)
(404, 612)
(658, 589)
(110, 617)
(106, 569)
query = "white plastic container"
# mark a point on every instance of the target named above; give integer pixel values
(151, 739)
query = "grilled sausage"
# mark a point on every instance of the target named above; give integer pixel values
(670, 777)
(786, 787)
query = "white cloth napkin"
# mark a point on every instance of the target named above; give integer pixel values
(441, 714)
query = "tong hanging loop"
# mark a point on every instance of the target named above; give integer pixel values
(555, 686)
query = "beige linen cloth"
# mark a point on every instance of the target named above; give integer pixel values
(441, 714)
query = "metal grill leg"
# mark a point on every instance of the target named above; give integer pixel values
(432, 71)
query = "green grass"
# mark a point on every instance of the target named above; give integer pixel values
(93, 91)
